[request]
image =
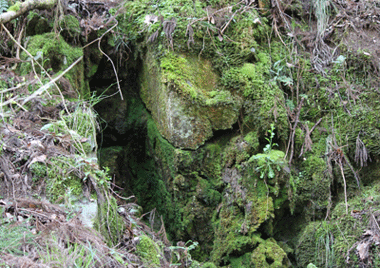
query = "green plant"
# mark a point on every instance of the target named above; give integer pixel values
(268, 148)
(270, 158)
(325, 248)
(14, 237)
(72, 255)
(279, 74)
(3, 6)
(186, 258)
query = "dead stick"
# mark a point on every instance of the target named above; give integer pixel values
(42, 68)
(344, 184)
(294, 131)
(51, 82)
(25, 7)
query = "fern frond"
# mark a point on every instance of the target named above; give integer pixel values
(3, 6)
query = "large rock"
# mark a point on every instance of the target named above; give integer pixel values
(183, 96)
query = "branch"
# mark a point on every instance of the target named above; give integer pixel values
(25, 7)
(52, 82)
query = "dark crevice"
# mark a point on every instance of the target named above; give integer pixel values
(225, 133)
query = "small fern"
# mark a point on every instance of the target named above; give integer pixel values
(3, 6)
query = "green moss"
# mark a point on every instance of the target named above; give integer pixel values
(265, 103)
(37, 24)
(60, 178)
(108, 221)
(237, 223)
(209, 265)
(70, 27)
(39, 171)
(193, 78)
(16, 7)
(147, 250)
(252, 139)
(55, 55)
(269, 254)
(242, 261)
(240, 149)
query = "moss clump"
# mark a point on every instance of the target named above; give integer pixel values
(39, 171)
(55, 55)
(59, 178)
(239, 149)
(16, 7)
(269, 254)
(55, 52)
(147, 250)
(247, 208)
(265, 100)
(192, 77)
(108, 221)
(70, 28)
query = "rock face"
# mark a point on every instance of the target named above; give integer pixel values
(182, 95)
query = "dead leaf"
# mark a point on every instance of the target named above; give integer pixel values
(363, 249)
(41, 158)
(83, 140)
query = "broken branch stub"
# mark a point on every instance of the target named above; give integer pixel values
(25, 7)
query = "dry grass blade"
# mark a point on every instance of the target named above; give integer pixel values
(169, 27)
(361, 153)
(153, 37)
(190, 33)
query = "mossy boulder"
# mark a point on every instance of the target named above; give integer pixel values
(263, 99)
(181, 91)
(269, 254)
(55, 55)
(108, 221)
(245, 207)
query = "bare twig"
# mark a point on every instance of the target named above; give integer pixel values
(32, 58)
(344, 184)
(113, 65)
(293, 132)
(50, 83)
(308, 142)
(25, 7)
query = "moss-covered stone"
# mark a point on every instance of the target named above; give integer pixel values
(55, 55)
(148, 251)
(108, 221)
(264, 103)
(182, 94)
(269, 254)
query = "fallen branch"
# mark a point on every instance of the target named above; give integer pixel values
(51, 83)
(42, 68)
(23, 7)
